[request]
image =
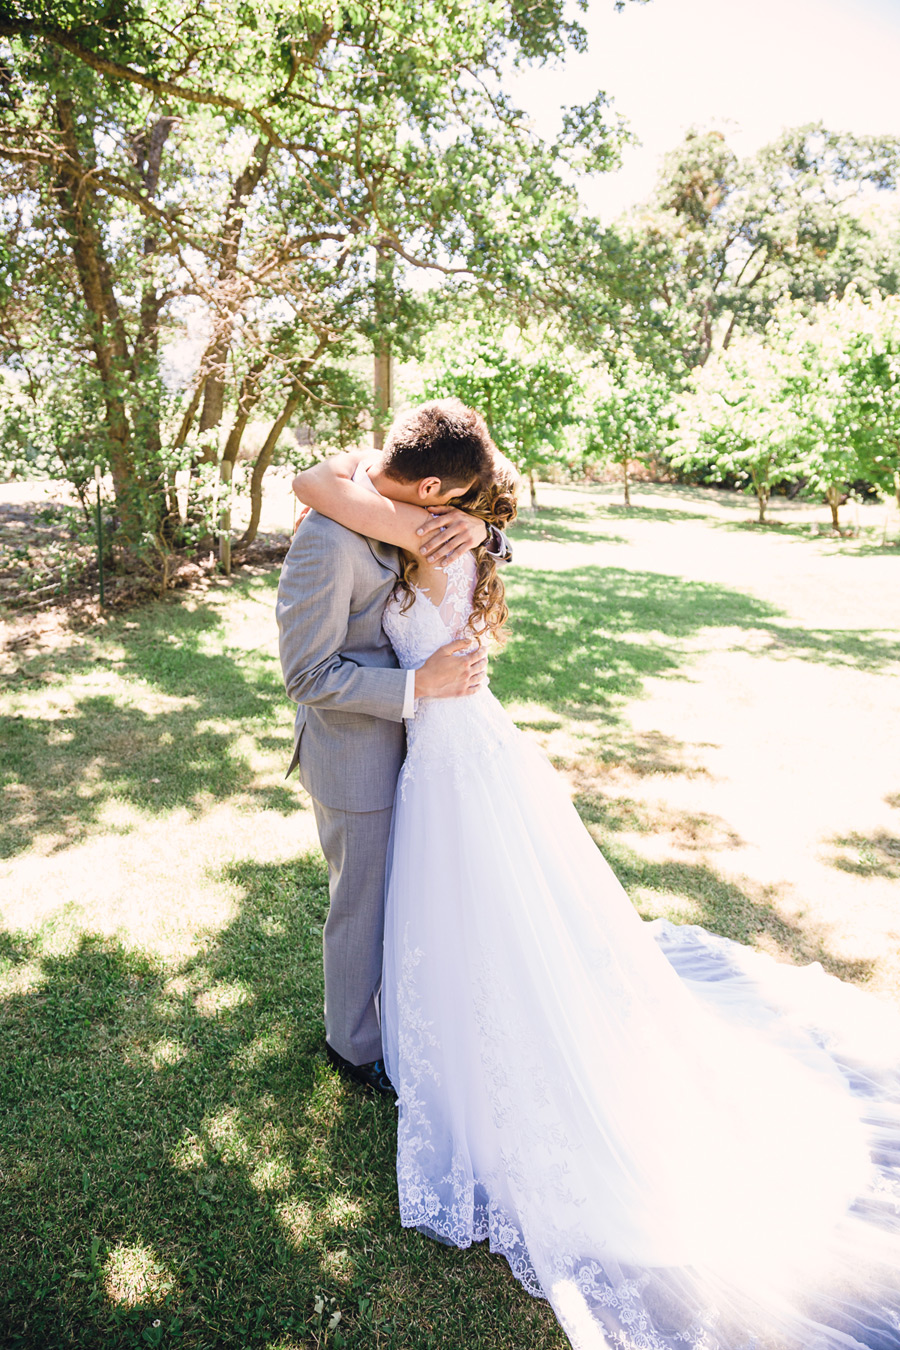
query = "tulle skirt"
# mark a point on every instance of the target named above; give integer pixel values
(676, 1140)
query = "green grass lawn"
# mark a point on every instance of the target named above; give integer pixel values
(179, 1166)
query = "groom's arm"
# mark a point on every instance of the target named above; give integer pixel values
(314, 598)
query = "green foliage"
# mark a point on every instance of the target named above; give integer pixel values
(740, 420)
(230, 173)
(725, 242)
(627, 416)
(842, 376)
(871, 376)
(527, 402)
(815, 399)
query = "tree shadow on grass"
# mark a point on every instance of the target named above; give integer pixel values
(182, 1168)
(173, 734)
(694, 892)
(868, 855)
(559, 525)
(847, 542)
(890, 549)
(662, 514)
(585, 639)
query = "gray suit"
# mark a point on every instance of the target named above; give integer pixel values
(342, 673)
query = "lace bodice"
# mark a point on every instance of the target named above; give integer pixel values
(419, 630)
(444, 731)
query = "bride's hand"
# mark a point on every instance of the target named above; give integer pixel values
(451, 533)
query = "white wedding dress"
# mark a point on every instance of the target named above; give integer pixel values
(679, 1142)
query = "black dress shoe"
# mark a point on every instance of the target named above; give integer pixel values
(372, 1076)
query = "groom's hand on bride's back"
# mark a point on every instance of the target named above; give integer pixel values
(452, 671)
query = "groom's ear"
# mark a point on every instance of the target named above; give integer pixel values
(428, 487)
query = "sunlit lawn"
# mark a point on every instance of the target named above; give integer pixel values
(179, 1167)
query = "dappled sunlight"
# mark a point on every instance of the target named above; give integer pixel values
(167, 1052)
(562, 525)
(270, 1044)
(226, 1137)
(189, 1154)
(154, 882)
(135, 1275)
(342, 1211)
(670, 827)
(737, 907)
(159, 712)
(272, 1175)
(337, 1265)
(584, 639)
(222, 1146)
(218, 997)
(298, 1218)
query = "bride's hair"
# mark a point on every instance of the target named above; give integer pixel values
(494, 502)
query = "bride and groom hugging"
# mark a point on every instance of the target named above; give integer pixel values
(352, 696)
(680, 1143)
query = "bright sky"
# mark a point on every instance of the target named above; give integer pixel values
(749, 70)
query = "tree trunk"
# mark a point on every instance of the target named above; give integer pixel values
(263, 460)
(383, 390)
(625, 482)
(187, 420)
(216, 359)
(383, 382)
(215, 364)
(106, 329)
(897, 487)
(248, 398)
(762, 497)
(147, 148)
(532, 489)
(833, 496)
(225, 519)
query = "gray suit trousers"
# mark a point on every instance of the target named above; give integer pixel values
(355, 845)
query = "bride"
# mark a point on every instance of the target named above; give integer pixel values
(680, 1143)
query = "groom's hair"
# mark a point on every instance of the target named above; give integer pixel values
(444, 440)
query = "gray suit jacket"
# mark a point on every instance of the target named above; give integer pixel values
(339, 667)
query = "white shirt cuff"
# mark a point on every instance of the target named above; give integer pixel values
(409, 698)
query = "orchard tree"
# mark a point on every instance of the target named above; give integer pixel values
(528, 402)
(815, 386)
(741, 419)
(843, 379)
(871, 373)
(627, 416)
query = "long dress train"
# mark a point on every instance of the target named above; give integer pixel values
(681, 1143)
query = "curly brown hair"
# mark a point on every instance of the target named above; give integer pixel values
(495, 503)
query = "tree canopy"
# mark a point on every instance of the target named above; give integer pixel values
(237, 169)
(725, 241)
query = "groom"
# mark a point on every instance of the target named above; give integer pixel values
(341, 671)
